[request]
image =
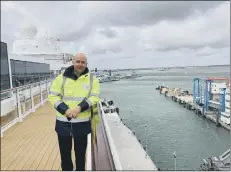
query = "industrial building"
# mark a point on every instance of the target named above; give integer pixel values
(25, 72)
(21, 72)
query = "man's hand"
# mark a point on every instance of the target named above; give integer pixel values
(76, 111)
(68, 113)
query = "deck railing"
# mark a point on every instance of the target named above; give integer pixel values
(18, 102)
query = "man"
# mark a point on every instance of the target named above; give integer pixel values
(72, 94)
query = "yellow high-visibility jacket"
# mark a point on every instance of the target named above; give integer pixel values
(68, 91)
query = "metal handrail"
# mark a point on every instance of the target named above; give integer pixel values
(101, 157)
(104, 154)
(24, 86)
(116, 164)
(16, 94)
(106, 139)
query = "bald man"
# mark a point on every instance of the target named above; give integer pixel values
(73, 94)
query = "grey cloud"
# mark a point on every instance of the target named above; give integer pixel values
(119, 57)
(147, 13)
(12, 22)
(215, 45)
(82, 33)
(77, 35)
(206, 54)
(125, 57)
(133, 22)
(109, 32)
(220, 44)
(208, 51)
(62, 18)
(99, 51)
(171, 47)
(9, 40)
(114, 49)
(128, 57)
(113, 14)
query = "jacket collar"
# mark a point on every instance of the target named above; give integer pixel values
(70, 73)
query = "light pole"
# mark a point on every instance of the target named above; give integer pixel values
(174, 154)
(146, 144)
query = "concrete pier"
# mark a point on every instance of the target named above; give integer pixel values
(186, 100)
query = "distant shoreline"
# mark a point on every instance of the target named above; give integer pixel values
(176, 67)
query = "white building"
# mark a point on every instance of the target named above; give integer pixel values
(225, 116)
(45, 50)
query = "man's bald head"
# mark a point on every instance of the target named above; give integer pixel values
(80, 62)
(80, 56)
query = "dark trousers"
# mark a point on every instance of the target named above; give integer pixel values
(65, 147)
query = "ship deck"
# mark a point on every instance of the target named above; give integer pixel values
(32, 144)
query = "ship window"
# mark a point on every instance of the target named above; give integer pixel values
(5, 78)
(227, 164)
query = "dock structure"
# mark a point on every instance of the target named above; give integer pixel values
(163, 90)
(211, 105)
(172, 92)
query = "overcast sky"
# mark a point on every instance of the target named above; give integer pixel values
(129, 34)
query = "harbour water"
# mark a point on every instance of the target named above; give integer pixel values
(171, 128)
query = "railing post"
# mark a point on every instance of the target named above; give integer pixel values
(47, 87)
(32, 99)
(19, 106)
(41, 93)
(1, 133)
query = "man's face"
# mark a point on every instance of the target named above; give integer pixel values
(80, 63)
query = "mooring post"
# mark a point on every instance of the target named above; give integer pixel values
(218, 118)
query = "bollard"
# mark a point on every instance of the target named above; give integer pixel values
(218, 118)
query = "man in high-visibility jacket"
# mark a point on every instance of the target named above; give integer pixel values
(72, 94)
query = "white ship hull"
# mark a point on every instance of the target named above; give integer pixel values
(225, 116)
(127, 151)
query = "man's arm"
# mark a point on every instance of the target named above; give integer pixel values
(55, 95)
(93, 98)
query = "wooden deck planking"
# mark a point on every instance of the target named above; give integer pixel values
(32, 144)
(30, 157)
(56, 164)
(23, 150)
(8, 157)
(44, 155)
(15, 132)
(14, 145)
(52, 157)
